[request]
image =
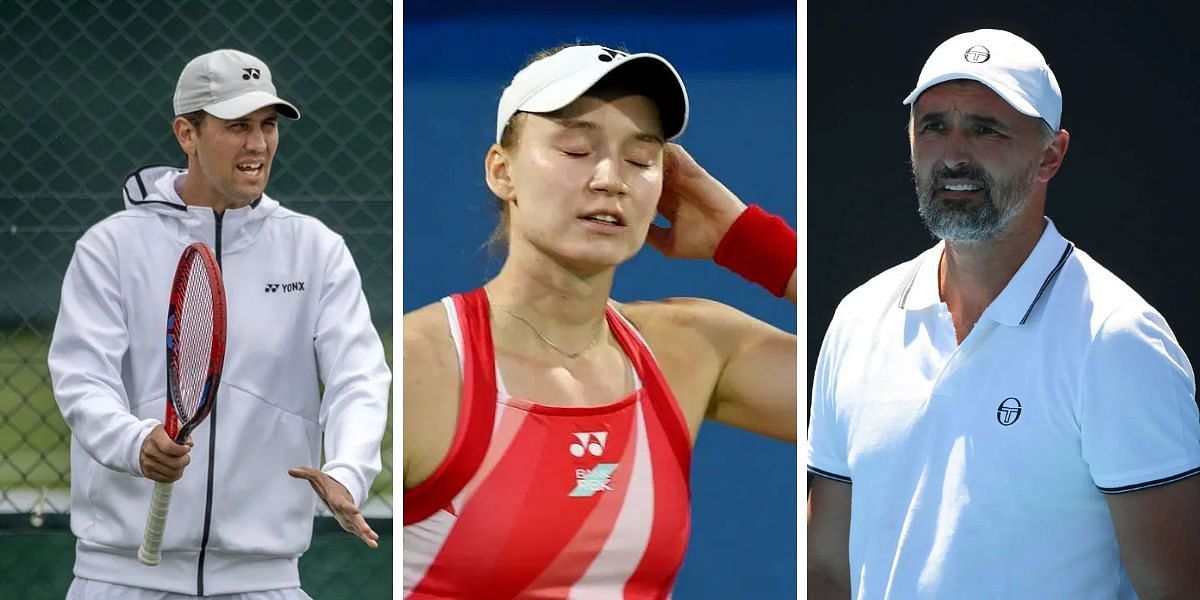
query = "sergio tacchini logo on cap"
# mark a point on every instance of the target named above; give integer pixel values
(977, 54)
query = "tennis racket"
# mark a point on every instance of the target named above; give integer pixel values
(195, 355)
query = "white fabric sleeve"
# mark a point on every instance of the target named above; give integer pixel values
(827, 452)
(89, 342)
(353, 368)
(1138, 419)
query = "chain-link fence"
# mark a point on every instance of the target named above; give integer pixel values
(87, 99)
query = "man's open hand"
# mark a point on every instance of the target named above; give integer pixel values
(338, 499)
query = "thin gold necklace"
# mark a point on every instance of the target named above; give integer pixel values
(570, 355)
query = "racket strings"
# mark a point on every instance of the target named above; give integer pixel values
(194, 342)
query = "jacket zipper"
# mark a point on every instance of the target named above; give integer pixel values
(212, 447)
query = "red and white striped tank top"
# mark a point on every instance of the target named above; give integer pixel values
(536, 501)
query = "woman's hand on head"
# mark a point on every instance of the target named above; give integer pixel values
(699, 208)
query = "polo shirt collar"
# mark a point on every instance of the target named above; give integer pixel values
(921, 287)
(1014, 305)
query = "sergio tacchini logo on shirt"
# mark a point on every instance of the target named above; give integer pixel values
(1009, 411)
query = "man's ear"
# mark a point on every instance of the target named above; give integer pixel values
(1052, 158)
(185, 134)
(497, 170)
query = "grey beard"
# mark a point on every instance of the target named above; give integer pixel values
(958, 222)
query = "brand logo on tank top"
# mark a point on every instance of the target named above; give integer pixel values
(590, 481)
(591, 442)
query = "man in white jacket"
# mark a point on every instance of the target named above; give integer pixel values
(241, 513)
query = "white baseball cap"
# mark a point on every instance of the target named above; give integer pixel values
(228, 84)
(554, 82)
(1004, 62)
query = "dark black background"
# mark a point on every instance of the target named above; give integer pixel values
(1127, 191)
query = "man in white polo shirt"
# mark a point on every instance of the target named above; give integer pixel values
(1000, 417)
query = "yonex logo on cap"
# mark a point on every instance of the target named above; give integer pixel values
(228, 84)
(977, 54)
(1009, 411)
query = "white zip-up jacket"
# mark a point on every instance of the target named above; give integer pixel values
(296, 317)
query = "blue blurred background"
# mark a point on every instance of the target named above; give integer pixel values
(739, 65)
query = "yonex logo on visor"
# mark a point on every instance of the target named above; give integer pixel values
(610, 54)
(250, 73)
(555, 81)
(977, 54)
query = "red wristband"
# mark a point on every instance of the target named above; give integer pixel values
(760, 247)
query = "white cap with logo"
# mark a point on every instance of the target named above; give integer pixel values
(554, 82)
(228, 84)
(1004, 62)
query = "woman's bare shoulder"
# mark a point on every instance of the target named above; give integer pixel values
(671, 313)
(428, 347)
(431, 391)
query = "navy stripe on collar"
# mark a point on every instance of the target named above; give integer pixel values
(1049, 278)
(912, 278)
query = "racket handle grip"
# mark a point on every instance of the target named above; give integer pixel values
(151, 551)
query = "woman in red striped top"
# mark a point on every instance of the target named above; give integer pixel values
(548, 429)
